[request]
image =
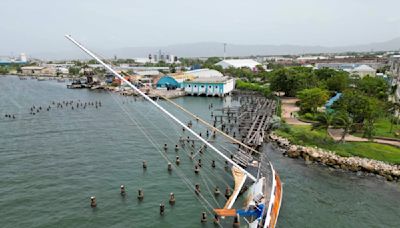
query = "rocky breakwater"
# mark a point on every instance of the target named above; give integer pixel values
(355, 164)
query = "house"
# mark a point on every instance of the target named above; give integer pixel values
(238, 63)
(39, 71)
(209, 86)
(363, 71)
(32, 70)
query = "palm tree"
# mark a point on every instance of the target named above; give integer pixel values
(345, 121)
(394, 110)
(325, 120)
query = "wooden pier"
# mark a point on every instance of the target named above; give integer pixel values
(247, 122)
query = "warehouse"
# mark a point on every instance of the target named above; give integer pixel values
(238, 63)
(217, 86)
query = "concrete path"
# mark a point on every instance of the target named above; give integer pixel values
(336, 134)
(288, 107)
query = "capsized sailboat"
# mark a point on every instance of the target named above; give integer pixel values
(265, 192)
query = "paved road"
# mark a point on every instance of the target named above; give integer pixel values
(288, 107)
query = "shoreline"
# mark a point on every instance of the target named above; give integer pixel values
(320, 156)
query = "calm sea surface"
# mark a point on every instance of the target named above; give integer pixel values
(53, 161)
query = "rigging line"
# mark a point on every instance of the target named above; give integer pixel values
(203, 177)
(252, 177)
(162, 132)
(209, 190)
(185, 150)
(210, 173)
(210, 126)
(185, 180)
(203, 144)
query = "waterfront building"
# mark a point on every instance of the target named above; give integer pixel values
(168, 82)
(209, 86)
(39, 71)
(204, 73)
(238, 63)
(32, 70)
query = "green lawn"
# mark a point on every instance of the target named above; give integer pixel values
(303, 135)
(382, 129)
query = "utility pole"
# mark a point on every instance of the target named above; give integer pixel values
(224, 51)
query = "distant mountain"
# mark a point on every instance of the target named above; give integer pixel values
(206, 49)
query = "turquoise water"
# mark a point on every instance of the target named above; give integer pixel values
(52, 162)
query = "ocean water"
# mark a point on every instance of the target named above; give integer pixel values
(53, 161)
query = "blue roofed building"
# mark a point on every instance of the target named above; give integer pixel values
(168, 82)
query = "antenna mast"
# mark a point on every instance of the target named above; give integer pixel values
(224, 51)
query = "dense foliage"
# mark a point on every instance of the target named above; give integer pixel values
(253, 87)
(292, 80)
(311, 99)
(4, 70)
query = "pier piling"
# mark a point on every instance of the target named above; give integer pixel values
(171, 198)
(93, 202)
(140, 195)
(203, 217)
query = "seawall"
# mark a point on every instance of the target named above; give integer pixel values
(328, 158)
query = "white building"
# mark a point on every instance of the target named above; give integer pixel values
(204, 73)
(363, 71)
(209, 86)
(238, 63)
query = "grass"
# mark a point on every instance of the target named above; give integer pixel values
(303, 135)
(382, 129)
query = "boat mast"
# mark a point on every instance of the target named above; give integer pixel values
(158, 106)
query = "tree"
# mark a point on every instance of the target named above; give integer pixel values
(338, 82)
(345, 121)
(369, 129)
(393, 108)
(260, 68)
(73, 70)
(373, 87)
(211, 61)
(358, 105)
(325, 120)
(4, 70)
(311, 99)
(325, 73)
(291, 80)
(172, 68)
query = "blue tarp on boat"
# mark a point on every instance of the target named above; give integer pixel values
(257, 212)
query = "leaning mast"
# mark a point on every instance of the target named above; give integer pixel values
(159, 107)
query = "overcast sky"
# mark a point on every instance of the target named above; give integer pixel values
(38, 26)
